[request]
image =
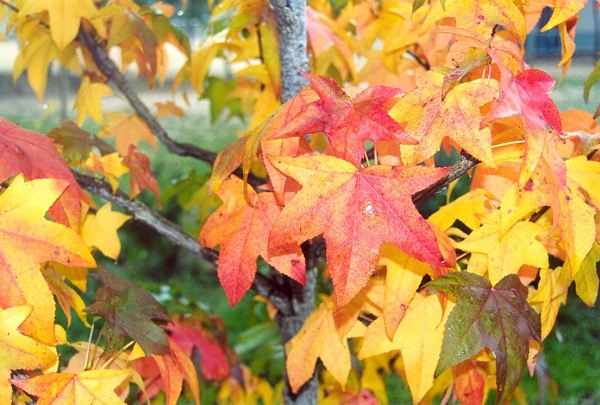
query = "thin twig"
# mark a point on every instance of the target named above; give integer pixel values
(108, 67)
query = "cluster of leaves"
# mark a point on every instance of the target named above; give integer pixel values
(458, 304)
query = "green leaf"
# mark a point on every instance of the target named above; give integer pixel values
(216, 91)
(591, 81)
(129, 311)
(499, 318)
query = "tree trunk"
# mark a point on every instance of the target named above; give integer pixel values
(291, 28)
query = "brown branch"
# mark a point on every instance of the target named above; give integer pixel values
(459, 168)
(110, 70)
(144, 214)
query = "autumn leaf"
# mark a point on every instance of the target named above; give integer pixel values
(18, 351)
(167, 372)
(87, 101)
(207, 335)
(75, 144)
(467, 209)
(550, 295)
(356, 211)
(418, 337)
(347, 122)
(429, 117)
(168, 108)
(586, 279)
(65, 295)
(140, 174)
(403, 278)
(35, 56)
(100, 230)
(111, 166)
(27, 240)
(526, 95)
(129, 311)
(508, 252)
(242, 232)
(87, 387)
(34, 155)
(318, 338)
(469, 383)
(127, 129)
(65, 16)
(563, 10)
(499, 318)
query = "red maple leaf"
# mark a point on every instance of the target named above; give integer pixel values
(347, 122)
(356, 210)
(34, 155)
(526, 95)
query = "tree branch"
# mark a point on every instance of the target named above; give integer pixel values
(459, 168)
(110, 70)
(144, 214)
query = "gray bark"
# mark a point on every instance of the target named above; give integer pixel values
(291, 28)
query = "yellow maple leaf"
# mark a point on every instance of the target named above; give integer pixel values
(586, 279)
(87, 387)
(27, 239)
(87, 101)
(110, 165)
(467, 209)
(66, 296)
(318, 338)
(127, 129)
(563, 10)
(418, 337)
(35, 56)
(507, 253)
(586, 174)
(403, 277)
(100, 230)
(550, 295)
(18, 351)
(65, 16)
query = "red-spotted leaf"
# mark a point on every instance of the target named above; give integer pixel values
(347, 122)
(499, 318)
(356, 211)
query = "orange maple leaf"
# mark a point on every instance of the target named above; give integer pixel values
(318, 338)
(167, 372)
(356, 211)
(242, 231)
(347, 122)
(87, 387)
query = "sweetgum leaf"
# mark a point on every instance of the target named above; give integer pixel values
(499, 318)
(129, 311)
